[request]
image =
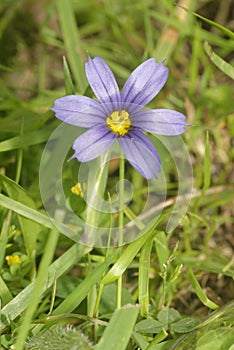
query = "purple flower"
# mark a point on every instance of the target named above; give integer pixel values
(119, 116)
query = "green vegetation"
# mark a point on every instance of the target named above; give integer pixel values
(177, 266)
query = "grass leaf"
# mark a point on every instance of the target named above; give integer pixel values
(199, 292)
(30, 229)
(18, 305)
(225, 67)
(72, 42)
(118, 332)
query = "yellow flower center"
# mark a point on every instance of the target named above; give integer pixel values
(119, 122)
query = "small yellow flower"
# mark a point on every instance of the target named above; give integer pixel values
(13, 259)
(77, 189)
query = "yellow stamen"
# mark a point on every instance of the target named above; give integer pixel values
(13, 259)
(119, 122)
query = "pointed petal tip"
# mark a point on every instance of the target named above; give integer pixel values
(72, 157)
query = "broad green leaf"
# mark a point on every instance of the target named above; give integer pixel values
(216, 332)
(118, 332)
(149, 326)
(184, 325)
(167, 316)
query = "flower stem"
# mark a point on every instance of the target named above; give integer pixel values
(121, 197)
(121, 221)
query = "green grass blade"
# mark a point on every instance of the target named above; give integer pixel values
(35, 215)
(223, 29)
(157, 339)
(18, 305)
(207, 171)
(4, 237)
(143, 284)
(118, 332)
(225, 67)
(28, 139)
(38, 289)
(82, 290)
(25, 211)
(130, 252)
(5, 294)
(162, 248)
(140, 340)
(72, 42)
(199, 292)
(69, 87)
(30, 229)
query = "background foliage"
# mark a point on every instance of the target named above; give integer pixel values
(48, 280)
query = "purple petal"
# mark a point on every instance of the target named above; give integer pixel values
(79, 110)
(160, 121)
(93, 143)
(102, 80)
(145, 82)
(141, 154)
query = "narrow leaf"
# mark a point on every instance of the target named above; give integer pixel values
(72, 42)
(130, 252)
(17, 305)
(118, 332)
(25, 211)
(144, 270)
(37, 289)
(223, 29)
(207, 173)
(28, 139)
(75, 298)
(198, 290)
(30, 229)
(225, 67)
(69, 87)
